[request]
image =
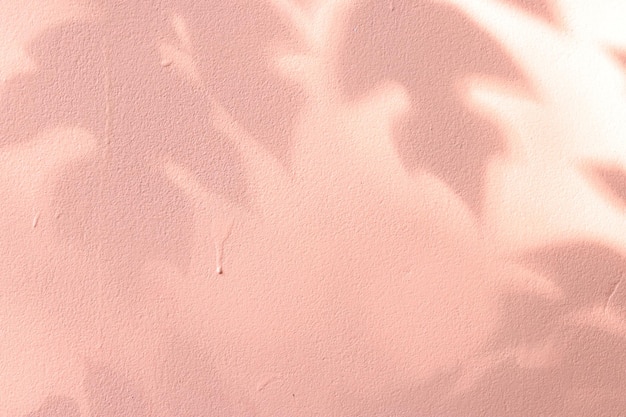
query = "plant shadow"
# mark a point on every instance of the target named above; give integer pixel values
(430, 48)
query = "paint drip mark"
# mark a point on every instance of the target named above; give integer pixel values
(220, 234)
(107, 90)
(267, 381)
(608, 300)
(36, 220)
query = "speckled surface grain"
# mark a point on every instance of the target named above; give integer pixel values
(281, 208)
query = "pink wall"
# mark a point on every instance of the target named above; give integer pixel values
(285, 208)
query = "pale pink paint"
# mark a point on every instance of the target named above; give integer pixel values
(282, 208)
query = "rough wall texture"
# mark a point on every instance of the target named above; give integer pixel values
(289, 208)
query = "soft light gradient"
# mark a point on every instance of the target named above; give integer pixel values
(290, 208)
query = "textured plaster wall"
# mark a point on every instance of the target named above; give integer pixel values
(285, 208)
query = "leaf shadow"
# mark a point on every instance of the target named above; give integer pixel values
(117, 204)
(544, 9)
(192, 383)
(108, 394)
(582, 374)
(56, 406)
(430, 48)
(111, 394)
(611, 181)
